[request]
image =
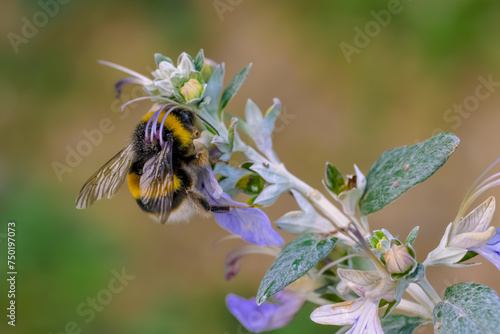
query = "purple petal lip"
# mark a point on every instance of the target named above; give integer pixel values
(130, 80)
(491, 250)
(251, 224)
(267, 316)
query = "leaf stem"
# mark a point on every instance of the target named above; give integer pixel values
(429, 290)
(414, 309)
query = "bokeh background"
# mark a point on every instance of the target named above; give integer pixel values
(395, 91)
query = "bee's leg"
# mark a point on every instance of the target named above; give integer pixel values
(220, 208)
(227, 208)
(202, 201)
(215, 161)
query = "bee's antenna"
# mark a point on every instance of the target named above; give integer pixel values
(207, 123)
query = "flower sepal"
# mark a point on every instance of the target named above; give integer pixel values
(347, 191)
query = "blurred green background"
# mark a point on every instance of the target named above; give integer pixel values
(395, 91)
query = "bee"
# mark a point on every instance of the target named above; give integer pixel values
(161, 165)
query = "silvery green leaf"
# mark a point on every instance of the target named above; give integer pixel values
(223, 145)
(401, 287)
(271, 193)
(199, 60)
(412, 236)
(400, 169)
(232, 133)
(401, 324)
(293, 262)
(307, 220)
(213, 89)
(260, 127)
(272, 115)
(159, 58)
(233, 87)
(231, 176)
(253, 116)
(468, 308)
(271, 172)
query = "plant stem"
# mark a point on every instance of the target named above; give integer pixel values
(419, 296)
(336, 216)
(338, 219)
(414, 309)
(429, 290)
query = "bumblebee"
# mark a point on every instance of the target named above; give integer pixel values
(161, 165)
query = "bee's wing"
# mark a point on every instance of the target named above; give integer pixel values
(157, 182)
(107, 180)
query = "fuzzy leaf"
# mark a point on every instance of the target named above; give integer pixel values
(233, 87)
(293, 262)
(334, 180)
(401, 324)
(468, 308)
(199, 60)
(400, 169)
(412, 236)
(212, 91)
(159, 58)
(307, 220)
(271, 193)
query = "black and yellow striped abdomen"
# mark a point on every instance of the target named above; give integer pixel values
(179, 124)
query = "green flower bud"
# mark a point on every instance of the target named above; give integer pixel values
(208, 69)
(192, 89)
(398, 260)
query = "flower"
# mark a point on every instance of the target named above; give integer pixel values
(471, 233)
(191, 90)
(398, 260)
(170, 79)
(250, 223)
(362, 313)
(182, 83)
(491, 250)
(267, 316)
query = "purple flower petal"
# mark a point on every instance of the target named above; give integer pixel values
(491, 250)
(267, 316)
(251, 224)
(130, 80)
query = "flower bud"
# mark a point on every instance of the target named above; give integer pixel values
(208, 69)
(192, 89)
(398, 260)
